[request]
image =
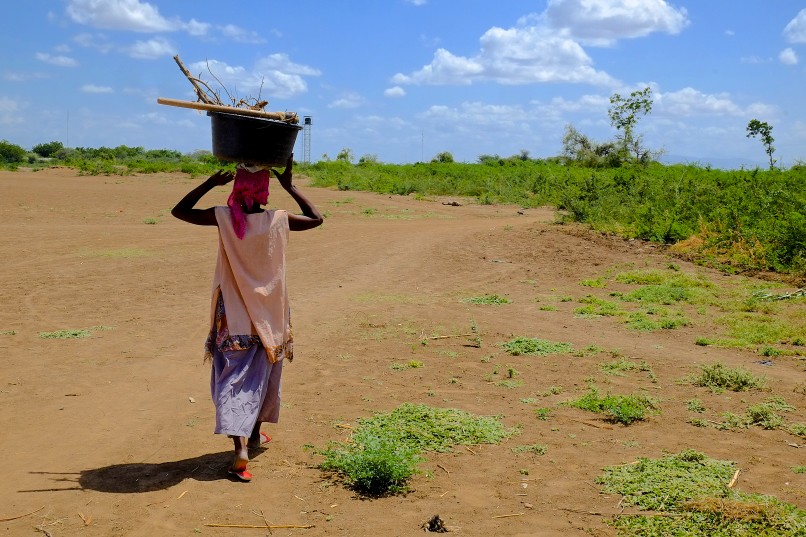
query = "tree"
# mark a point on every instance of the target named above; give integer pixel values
(445, 157)
(11, 153)
(345, 154)
(624, 113)
(48, 150)
(764, 130)
(579, 148)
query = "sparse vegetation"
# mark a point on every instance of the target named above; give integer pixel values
(487, 300)
(524, 346)
(718, 376)
(624, 409)
(689, 495)
(384, 450)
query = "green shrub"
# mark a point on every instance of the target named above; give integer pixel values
(624, 409)
(718, 376)
(535, 347)
(11, 153)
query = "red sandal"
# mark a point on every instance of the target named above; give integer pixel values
(244, 476)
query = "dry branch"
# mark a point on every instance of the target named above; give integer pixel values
(200, 93)
(21, 516)
(261, 527)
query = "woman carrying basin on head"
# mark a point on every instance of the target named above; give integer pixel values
(250, 336)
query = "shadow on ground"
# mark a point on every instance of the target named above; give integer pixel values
(142, 476)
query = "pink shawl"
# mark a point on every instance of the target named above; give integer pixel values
(249, 188)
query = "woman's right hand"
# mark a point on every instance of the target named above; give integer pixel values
(221, 177)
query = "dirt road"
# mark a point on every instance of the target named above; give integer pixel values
(111, 434)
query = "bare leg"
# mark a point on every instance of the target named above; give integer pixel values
(241, 453)
(255, 439)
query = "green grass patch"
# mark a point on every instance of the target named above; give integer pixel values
(8, 332)
(73, 333)
(625, 409)
(525, 346)
(411, 364)
(543, 413)
(719, 377)
(623, 365)
(656, 319)
(534, 449)
(597, 307)
(695, 405)
(689, 495)
(487, 300)
(384, 450)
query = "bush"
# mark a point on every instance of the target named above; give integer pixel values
(48, 150)
(11, 153)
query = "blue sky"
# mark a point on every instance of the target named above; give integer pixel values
(403, 80)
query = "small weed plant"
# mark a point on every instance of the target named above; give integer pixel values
(689, 496)
(524, 346)
(719, 377)
(624, 409)
(384, 450)
(534, 449)
(487, 300)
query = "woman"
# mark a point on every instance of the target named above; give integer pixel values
(250, 335)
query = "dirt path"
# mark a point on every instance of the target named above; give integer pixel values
(111, 434)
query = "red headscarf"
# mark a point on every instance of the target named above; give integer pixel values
(249, 188)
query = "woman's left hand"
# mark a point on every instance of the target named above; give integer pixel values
(287, 175)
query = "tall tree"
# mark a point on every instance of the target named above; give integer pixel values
(624, 113)
(764, 131)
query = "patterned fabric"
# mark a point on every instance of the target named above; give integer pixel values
(219, 337)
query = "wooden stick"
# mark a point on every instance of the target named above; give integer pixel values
(20, 516)
(735, 477)
(591, 424)
(200, 93)
(288, 117)
(262, 527)
(446, 470)
(507, 516)
(452, 335)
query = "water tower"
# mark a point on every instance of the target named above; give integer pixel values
(306, 139)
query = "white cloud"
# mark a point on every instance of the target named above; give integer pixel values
(348, 100)
(131, 15)
(525, 55)
(236, 33)
(689, 102)
(9, 111)
(274, 76)
(59, 61)
(788, 57)
(547, 47)
(24, 77)
(99, 42)
(418, 2)
(152, 49)
(602, 22)
(795, 31)
(394, 92)
(92, 88)
(196, 28)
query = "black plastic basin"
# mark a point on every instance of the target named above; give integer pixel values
(252, 140)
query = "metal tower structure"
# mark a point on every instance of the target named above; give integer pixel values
(306, 139)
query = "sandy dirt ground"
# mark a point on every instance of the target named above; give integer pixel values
(112, 434)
